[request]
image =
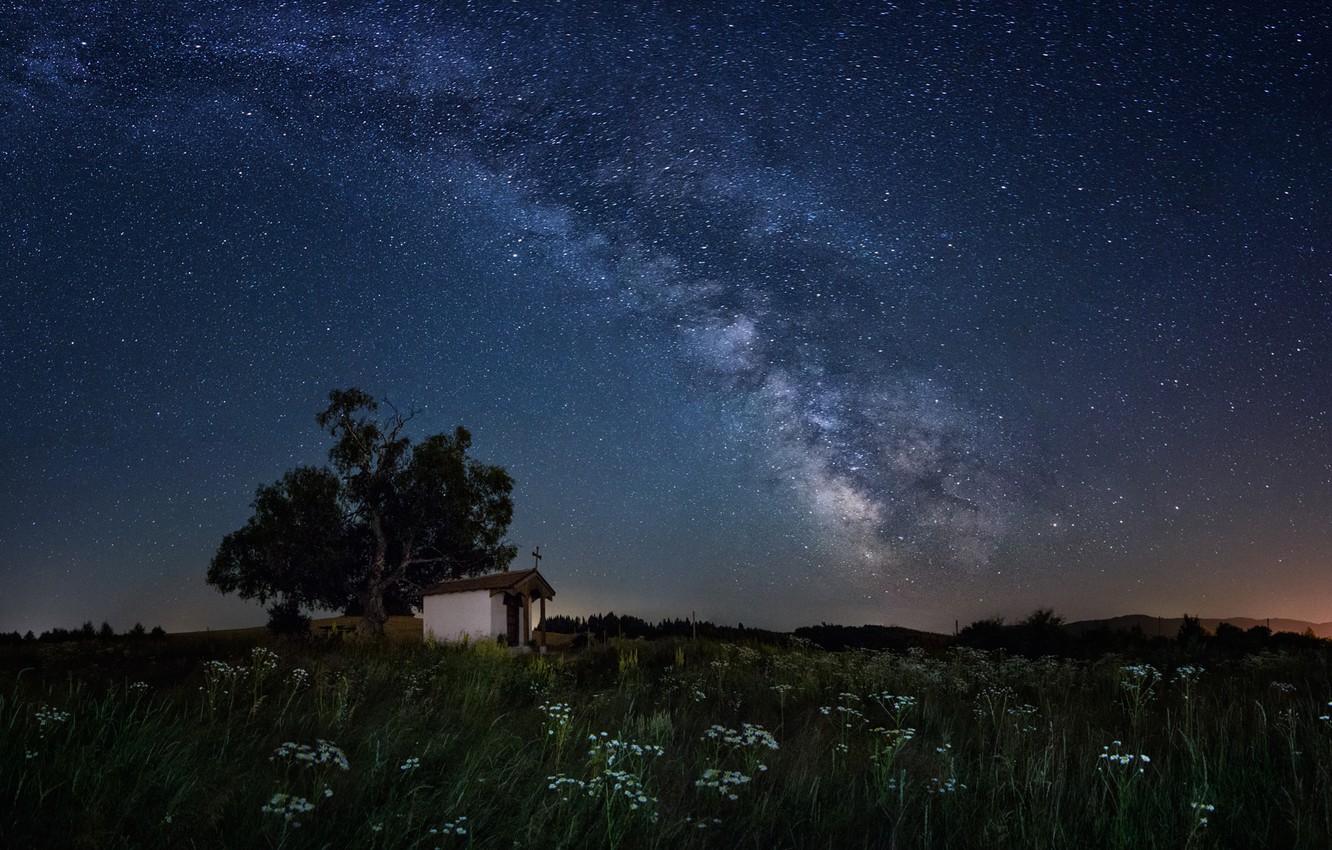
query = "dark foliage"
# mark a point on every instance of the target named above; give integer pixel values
(83, 633)
(603, 627)
(386, 519)
(833, 637)
(1043, 633)
(287, 618)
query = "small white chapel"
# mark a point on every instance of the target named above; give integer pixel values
(494, 607)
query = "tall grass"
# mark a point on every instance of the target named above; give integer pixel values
(666, 744)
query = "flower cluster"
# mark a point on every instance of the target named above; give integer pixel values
(622, 783)
(1024, 715)
(885, 745)
(48, 716)
(614, 784)
(1138, 682)
(1283, 687)
(323, 753)
(846, 711)
(847, 717)
(1202, 810)
(1138, 675)
(139, 688)
(724, 781)
(263, 660)
(457, 826)
(289, 806)
(945, 786)
(1124, 759)
(742, 654)
(410, 764)
(413, 686)
(748, 735)
(565, 785)
(992, 701)
(298, 679)
(558, 715)
(611, 750)
(904, 733)
(219, 678)
(894, 703)
(1188, 673)
(221, 671)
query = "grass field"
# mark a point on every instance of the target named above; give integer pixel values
(238, 740)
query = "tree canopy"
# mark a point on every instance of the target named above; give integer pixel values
(386, 519)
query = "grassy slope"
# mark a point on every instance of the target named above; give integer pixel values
(1000, 752)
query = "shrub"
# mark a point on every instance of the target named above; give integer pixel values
(287, 618)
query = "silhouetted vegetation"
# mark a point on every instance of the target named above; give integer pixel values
(85, 632)
(833, 637)
(1044, 634)
(386, 519)
(603, 627)
(287, 618)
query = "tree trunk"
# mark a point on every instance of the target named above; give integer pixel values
(375, 615)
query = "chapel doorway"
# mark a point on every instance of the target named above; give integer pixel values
(511, 604)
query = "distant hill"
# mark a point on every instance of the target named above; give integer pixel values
(1169, 626)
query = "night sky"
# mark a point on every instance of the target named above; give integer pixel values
(895, 313)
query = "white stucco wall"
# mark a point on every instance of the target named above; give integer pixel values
(478, 615)
(499, 623)
(450, 616)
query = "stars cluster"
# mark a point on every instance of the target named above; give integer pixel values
(950, 296)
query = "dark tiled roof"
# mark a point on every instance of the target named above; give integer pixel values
(494, 581)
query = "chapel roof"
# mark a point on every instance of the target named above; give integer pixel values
(517, 581)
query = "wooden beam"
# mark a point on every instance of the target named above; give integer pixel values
(545, 627)
(527, 619)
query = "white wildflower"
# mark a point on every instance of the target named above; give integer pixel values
(289, 806)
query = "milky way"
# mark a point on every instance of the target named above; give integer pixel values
(918, 311)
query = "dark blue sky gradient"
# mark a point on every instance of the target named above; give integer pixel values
(895, 313)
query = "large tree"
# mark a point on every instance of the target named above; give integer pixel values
(387, 519)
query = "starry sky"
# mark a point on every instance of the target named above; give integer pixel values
(780, 313)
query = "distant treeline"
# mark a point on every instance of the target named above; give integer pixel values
(602, 627)
(85, 632)
(834, 637)
(1043, 633)
(1040, 634)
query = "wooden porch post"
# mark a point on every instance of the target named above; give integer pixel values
(527, 619)
(544, 626)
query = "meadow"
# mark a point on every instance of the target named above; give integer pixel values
(247, 741)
